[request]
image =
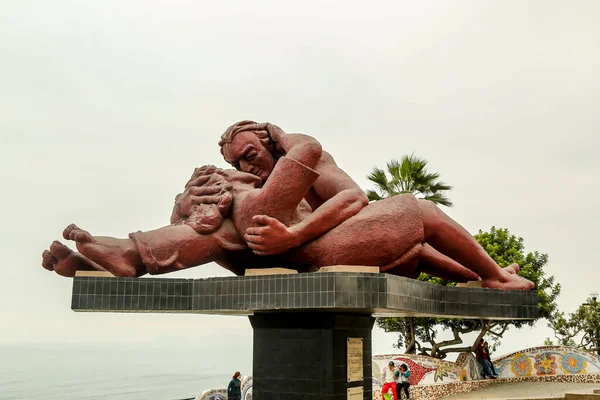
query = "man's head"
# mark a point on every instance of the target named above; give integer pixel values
(391, 364)
(248, 146)
(404, 367)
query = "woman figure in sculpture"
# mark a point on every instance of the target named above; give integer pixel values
(232, 215)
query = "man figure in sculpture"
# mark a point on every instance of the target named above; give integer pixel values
(334, 197)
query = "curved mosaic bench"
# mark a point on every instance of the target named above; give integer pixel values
(213, 394)
(470, 369)
(221, 394)
(547, 360)
(423, 370)
(247, 388)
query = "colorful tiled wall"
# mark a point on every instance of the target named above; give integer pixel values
(432, 378)
(547, 360)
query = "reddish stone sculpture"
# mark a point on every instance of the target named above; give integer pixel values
(288, 206)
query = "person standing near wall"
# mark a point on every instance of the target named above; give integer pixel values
(403, 383)
(485, 364)
(234, 390)
(486, 352)
(388, 378)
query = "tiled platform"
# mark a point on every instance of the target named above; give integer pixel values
(377, 294)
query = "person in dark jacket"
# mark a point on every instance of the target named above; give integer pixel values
(234, 390)
(485, 364)
(486, 351)
(403, 384)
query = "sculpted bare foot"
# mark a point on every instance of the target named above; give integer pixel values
(64, 261)
(118, 256)
(513, 269)
(508, 281)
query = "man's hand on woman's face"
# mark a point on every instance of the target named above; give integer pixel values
(276, 134)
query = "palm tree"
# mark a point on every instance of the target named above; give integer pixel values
(408, 176)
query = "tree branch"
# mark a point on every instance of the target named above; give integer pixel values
(499, 334)
(456, 332)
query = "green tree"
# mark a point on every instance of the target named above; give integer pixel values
(505, 248)
(583, 325)
(422, 334)
(408, 175)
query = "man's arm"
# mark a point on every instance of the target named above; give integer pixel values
(291, 178)
(340, 198)
(276, 201)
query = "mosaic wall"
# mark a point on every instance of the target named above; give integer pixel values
(470, 369)
(423, 370)
(547, 360)
(434, 392)
(548, 363)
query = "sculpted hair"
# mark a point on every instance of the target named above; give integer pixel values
(259, 129)
(207, 217)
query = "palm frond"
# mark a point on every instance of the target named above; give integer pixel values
(373, 195)
(409, 175)
(378, 177)
(439, 187)
(439, 199)
(393, 168)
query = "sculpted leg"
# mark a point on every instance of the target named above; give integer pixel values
(118, 256)
(163, 250)
(452, 240)
(434, 263)
(437, 264)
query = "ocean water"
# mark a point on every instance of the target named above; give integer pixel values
(115, 372)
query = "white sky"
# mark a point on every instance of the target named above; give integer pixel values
(106, 108)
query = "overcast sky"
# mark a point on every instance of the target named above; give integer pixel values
(106, 107)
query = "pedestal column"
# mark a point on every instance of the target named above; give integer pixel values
(304, 355)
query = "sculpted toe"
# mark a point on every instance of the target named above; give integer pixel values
(59, 250)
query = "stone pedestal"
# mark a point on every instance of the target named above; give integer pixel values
(304, 355)
(302, 322)
(343, 292)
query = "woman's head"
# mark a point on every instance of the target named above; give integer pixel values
(214, 199)
(237, 375)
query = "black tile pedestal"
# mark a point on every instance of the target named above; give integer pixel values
(343, 292)
(304, 355)
(302, 321)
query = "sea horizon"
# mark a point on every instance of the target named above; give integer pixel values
(116, 371)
